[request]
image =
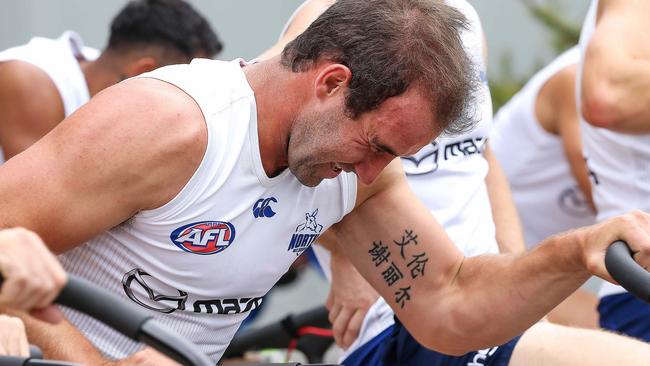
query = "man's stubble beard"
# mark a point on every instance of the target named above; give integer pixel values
(305, 146)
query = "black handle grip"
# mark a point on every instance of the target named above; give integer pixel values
(35, 352)
(628, 273)
(276, 335)
(128, 319)
(21, 361)
(81, 295)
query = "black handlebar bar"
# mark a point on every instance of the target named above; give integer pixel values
(276, 335)
(628, 273)
(128, 319)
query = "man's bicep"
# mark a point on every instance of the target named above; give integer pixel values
(397, 245)
(615, 82)
(96, 169)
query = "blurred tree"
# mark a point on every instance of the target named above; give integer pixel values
(564, 34)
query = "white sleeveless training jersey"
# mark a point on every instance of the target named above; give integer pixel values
(619, 163)
(59, 58)
(202, 261)
(544, 190)
(448, 175)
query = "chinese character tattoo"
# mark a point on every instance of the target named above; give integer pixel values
(417, 265)
(392, 274)
(379, 253)
(406, 240)
(402, 296)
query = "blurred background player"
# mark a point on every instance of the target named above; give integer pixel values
(46, 80)
(536, 138)
(614, 84)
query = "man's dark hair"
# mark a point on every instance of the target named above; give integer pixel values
(390, 45)
(168, 23)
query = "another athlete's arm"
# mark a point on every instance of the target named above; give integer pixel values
(306, 14)
(509, 235)
(556, 110)
(62, 341)
(349, 298)
(615, 88)
(455, 304)
(30, 106)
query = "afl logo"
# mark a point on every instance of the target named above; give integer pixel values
(205, 237)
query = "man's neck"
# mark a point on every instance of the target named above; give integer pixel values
(278, 99)
(100, 74)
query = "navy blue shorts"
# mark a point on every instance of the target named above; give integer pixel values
(396, 347)
(625, 313)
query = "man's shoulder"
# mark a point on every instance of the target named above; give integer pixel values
(27, 89)
(155, 105)
(212, 84)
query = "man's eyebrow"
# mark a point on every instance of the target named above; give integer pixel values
(386, 148)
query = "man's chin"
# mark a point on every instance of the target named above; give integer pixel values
(309, 181)
(306, 179)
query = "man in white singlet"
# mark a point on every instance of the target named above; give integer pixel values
(536, 138)
(201, 183)
(614, 99)
(45, 80)
(464, 212)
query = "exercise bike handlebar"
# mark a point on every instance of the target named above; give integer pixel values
(128, 319)
(628, 273)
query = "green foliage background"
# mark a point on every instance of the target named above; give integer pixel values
(564, 34)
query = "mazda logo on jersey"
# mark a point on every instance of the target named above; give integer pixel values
(154, 299)
(204, 237)
(424, 161)
(165, 299)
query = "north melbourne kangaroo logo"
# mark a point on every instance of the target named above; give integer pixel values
(305, 233)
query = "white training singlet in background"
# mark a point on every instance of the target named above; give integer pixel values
(59, 58)
(544, 190)
(619, 163)
(448, 175)
(201, 262)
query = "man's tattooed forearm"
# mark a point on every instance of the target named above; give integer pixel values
(380, 255)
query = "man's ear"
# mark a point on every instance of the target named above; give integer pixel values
(140, 65)
(331, 79)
